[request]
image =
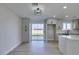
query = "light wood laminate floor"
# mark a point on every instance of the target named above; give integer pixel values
(37, 48)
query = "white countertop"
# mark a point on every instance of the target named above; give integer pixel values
(70, 37)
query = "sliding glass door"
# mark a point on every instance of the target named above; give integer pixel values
(37, 32)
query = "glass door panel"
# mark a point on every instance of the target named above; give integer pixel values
(37, 32)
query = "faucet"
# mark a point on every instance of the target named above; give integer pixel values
(68, 32)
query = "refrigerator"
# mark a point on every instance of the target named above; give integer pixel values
(51, 32)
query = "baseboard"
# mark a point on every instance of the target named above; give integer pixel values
(25, 41)
(6, 53)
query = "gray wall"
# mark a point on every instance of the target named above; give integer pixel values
(10, 30)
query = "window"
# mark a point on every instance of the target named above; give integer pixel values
(66, 26)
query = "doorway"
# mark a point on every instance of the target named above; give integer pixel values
(37, 32)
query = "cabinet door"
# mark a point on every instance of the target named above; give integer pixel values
(62, 44)
(54, 22)
(75, 24)
(78, 24)
(51, 21)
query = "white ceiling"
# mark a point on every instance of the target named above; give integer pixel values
(50, 9)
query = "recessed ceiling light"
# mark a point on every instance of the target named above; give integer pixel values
(66, 16)
(64, 7)
(54, 16)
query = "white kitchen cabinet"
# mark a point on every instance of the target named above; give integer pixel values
(54, 21)
(62, 45)
(75, 24)
(51, 21)
(68, 45)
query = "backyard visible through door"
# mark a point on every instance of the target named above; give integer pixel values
(37, 32)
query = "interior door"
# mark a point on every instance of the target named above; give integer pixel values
(25, 30)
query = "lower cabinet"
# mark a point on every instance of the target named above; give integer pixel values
(68, 46)
(62, 45)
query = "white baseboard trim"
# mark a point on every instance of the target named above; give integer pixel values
(12, 48)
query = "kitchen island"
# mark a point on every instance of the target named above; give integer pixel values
(69, 44)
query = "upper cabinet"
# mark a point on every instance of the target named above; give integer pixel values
(75, 24)
(51, 21)
(55, 21)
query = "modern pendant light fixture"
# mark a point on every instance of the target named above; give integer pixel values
(36, 9)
